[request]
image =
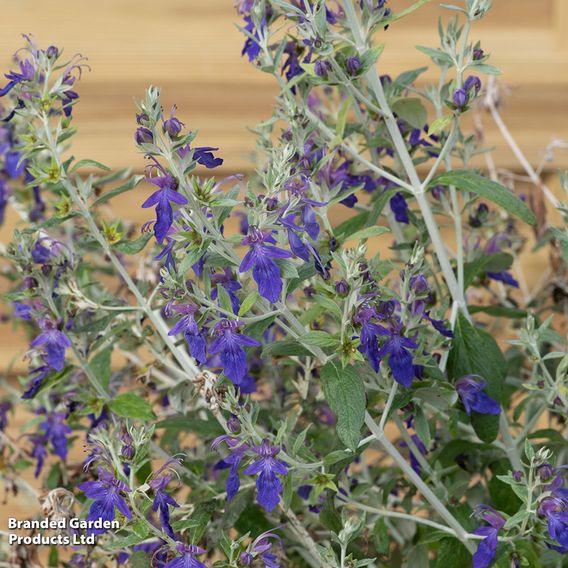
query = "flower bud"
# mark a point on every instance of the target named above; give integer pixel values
(353, 65)
(472, 83)
(461, 98)
(143, 136)
(172, 126)
(545, 471)
(342, 288)
(478, 54)
(52, 52)
(322, 68)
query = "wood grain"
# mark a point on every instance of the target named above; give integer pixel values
(191, 48)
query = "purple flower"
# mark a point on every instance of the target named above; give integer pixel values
(472, 83)
(204, 156)
(231, 286)
(261, 548)
(322, 67)
(461, 98)
(107, 495)
(487, 548)
(163, 199)
(554, 509)
(413, 459)
(55, 431)
(473, 397)
(173, 125)
(39, 452)
(143, 135)
(399, 207)
(5, 407)
(399, 357)
(369, 336)
(188, 326)
(268, 485)
(162, 501)
(187, 558)
(504, 277)
(353, 65)
(265, 271)
(232, 461)
(27, 73)
(37, 376)
(54, 344)
(252, 46)
(14, 168)
(229, 344)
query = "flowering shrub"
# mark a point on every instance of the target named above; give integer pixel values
(256, 385)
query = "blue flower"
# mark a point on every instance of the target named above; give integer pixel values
(162, 501)
(461, 98)
(399, 357)
(163, 199)
(231, 286)
(368, 336)
(27, 73)
(5, 407)
(555, 510)
(268, 484)
(188, 326)
(504, 277)
(232, 462)
(473, 397)
(229, 344)
(487, 548)
(107, 495)
(55, 431)
(252, 46)
(265, 271)
(37, 376)
(261, 548)
(203, 155)
(54, 344)
(187, 559)
(399, 207)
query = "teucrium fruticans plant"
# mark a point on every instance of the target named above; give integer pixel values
(255, 384)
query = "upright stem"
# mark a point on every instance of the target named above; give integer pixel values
(406, 160)
(429, 495)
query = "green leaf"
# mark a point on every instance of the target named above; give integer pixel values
(439, 125)
(475, 352)
(209, 428)
(197, 523)
(345, 392)
(100, 366)
(130, 405)
(474, 183)
(341, 122)
(248, 303)
(224, 299)
(496, 262)
(130, 184)
(499, 311)
(343, 230)
(133, 247)
(88, 164)
(319, 339)
(288, 347)
(411, 110)
(368, 233)
(405, 12)
(452, 553)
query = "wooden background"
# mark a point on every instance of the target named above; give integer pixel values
(191, 48)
